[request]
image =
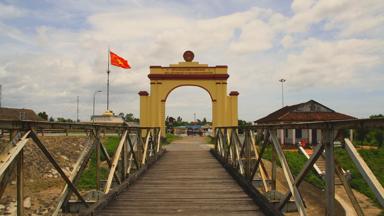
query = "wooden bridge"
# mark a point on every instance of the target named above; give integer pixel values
(187, 180)
(188, 177)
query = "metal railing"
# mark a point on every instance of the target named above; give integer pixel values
(137, 147)
(245, 157)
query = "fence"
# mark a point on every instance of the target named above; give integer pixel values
(244, 157)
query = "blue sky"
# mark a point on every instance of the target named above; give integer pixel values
(329, 51)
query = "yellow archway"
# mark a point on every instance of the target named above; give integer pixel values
(165, 79)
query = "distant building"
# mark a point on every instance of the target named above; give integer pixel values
(18, 114)
(304, 112)
(107, 117)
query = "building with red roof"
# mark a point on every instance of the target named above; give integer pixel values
(303, 112)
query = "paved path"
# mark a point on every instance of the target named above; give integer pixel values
(187, 180)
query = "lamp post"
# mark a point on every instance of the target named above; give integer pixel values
(282, 90)
(94, 99)
(77, 109)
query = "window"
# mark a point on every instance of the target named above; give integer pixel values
(298, 133)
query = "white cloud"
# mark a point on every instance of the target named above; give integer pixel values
(349, 17)
(301, 5)
(335, 64)
(287, 41)
(255, 36)
(10, 11)
(54, 63)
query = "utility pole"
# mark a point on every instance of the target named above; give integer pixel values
(0, 94)
(93, 110)
(77, 110)
(194, 117)
(282, 91)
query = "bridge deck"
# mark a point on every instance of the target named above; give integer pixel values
(187, 180)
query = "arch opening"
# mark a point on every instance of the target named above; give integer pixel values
(189, 102)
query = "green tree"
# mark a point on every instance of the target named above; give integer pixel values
(242, 123)
(377, 135)
(129, 117)
(61, 119)
(51, 119)
(43, 115)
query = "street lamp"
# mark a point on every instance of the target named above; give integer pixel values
(282, 90)
(94, 99)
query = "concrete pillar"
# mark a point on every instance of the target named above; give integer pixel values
(144, 109)
(310, 136)
(233, 98)
(282, 137)
(162, 118)
(294, 136)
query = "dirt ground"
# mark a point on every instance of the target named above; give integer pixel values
(42, 183)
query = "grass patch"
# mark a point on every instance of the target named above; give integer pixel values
(296, 162)
(88, 178)
(169, 138)
(374, 159)
(210, 140)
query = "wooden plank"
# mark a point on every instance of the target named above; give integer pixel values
(288, 175)
(366, 172)
(77, 170)
(7, 159)
(256, 196)
(20, 184)
(108, 159)
(265, 143)
(261, 169)
(146, 147)
(329, 171)
(186, 183)
(112, 195)
(348, 190)
(56, 166)
(115, 161)
(300, 177)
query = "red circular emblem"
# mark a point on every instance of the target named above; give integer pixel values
(188, 56)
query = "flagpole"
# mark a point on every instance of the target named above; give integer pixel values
(108, 81)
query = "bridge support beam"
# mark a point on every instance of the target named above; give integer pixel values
(329, 172)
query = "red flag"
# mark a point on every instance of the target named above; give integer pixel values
(119, 61)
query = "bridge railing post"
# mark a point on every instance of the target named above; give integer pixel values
(287, 173)
(97, 136)
(328, 139)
